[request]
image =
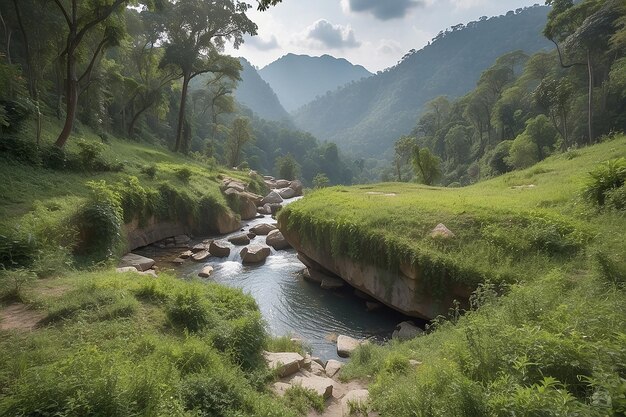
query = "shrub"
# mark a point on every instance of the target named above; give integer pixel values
(523, 153)
(54, 158)
(605, 178)
(498, 161)
(211, 395)
(20, 150)
(12, 282)
(150, 171)
(184, 174)
(303, 399)
(189, 310)
(243, 339)
(616, 198)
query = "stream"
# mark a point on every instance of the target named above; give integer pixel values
(289, 304)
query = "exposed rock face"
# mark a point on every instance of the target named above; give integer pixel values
(321, 385)
(276, 240)
(285, 363)
(262, 229)
(239, 240)
(282, 183)
(332, 367)
(255, 254)
(227, 223)
(406, 330)
(287, 192)
(404, 290)
(297, 187)
(346, 345)
(206, 271)
(141, 263)
(272, 197)
(219, 249)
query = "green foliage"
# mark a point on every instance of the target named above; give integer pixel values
(498, 159)
(426, 165)
(19, 150)
(523, 153)
(302, 400)
(320, 181)
(284, 344)
(212, 395)
(605, 181)
(184, 174)
(150, 171)
(13, 281)
(287, 168)
(90, 154)
(189, 310)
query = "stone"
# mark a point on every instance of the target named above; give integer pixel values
(199, 247)
(262, 229)
(283, 183)
(297, 187)
(318, 360)
(240, 239)
(226, 222)
(414, 363)
(255, 253)
(270, 184)
(206, 271)
(141, 263)
(178, 261)
(201, 256)
(247, 209)
(330, 283)
(317, 369)
(274, 207)
(441, 231)
(284, 363)
(346, 345)
(268, 178)
(332, 367)
(276, 240)
(125, 269)
(322, 386)
(358, 399)
(266, 209)
(182, 240)
(219, 249)
(238, 186)
(372, 306)
(255, 198)
(280, 388)
(186, 254)
(150, 272)
(406, 330)
(286, 192)
(272, 197)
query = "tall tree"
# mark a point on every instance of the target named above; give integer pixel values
(196, 34)
(240, 134)
(403, 153)
(427, 166)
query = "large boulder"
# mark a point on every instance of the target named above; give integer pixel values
(286, 192)
(227, 222)
(346, 345)
(247, 209)
(332, 367)
(321, 385)
(272, 197)
(274, 207)
(219, 249)
(284, 363)
(255, 253)
(262, 229)
(296, 186)
(240, 239)
(283, 183)
(406, 330)
(276, 240)
(141, 263)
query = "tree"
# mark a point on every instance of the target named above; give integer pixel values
(287, 167)
(457, 144)
(320, 180)
(427, 166)
(523, 153)
(403, 148)
(555, 96)
(196, 34)
(240, 134)
(83, 20)
(543, 133)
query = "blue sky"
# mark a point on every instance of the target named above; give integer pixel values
(372, 33)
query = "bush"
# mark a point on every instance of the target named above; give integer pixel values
(303, 399)
(606, 179)
(190, 310)
(20, 150)
(150, 171)
(90, 154)
(498, 161)
(211, 395)
(12, 282)
(523, 153)
(54, 158)
(184, 174)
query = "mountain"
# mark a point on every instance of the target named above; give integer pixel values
(256, 94)
(298, 79)
(366, 117)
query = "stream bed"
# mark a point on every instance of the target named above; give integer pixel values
(289, 304)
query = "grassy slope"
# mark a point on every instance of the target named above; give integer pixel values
(554, 344)
(502, 233)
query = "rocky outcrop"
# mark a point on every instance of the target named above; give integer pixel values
(219, 249)
(255, 253)
(404, 290)
(346, 345)
(284, 363)
(141, 263)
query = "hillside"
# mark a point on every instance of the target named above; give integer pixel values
(298, 79)
(256, 94)
(368, 116)
(553, 339)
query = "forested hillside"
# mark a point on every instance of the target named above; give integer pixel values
(366, 117)
(256, 94)
(298, 79)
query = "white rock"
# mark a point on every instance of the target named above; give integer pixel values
(126, 269)
(140, 262)
(406, 330)
(346, 345)
(284, 363)
(321, 385)
(441, 231)
(262, 229)
(255, 253)
(332, 367)
(206, 271)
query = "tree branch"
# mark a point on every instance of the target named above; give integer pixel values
(558, 49)
(67, 16)
(97, 20)
(92, 63)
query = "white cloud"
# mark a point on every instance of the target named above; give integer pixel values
(324, 34)
(262, 44)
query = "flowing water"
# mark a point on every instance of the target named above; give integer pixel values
(289, 304)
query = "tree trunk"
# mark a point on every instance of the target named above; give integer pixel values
(181, 114)
(590, 102)
(131, 127)
(71, 99)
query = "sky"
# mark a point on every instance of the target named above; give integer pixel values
(372, 33)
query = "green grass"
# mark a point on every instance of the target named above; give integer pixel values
(109, 345)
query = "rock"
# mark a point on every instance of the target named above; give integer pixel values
(199, 247)
(332, 367)
(206, 271)
(406, 330)
(280, 388)
(318, 361)
(178, 261)
(296, 186)
(238, 186)
(286, 192)
(268, 178)
(219, 249)
(274, 207)
(226, 222)
(272, 197)
(141, 263)
(414, 363)
(346, 345)
(125, 269)
(284, 363)
(355, 399)
(247, 209)
(255, 253)
(240, 239)
(186, 254)
(283, 183)
(255, 198)
(201, 256)
(262, 229)
(276, 240)
(266, 209)
(321, 385)
(270, 184)
(330, 283)
(150, 272)
(182, 240)
(317, 369)
(441, 231)
(372, 306)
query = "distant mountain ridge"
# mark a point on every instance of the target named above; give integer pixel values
(366, 117)
(299, 79)
(256, 94)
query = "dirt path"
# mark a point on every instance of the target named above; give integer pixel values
(18, 316)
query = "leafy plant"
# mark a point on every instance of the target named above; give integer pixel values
(606, 177)
(184, 174)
